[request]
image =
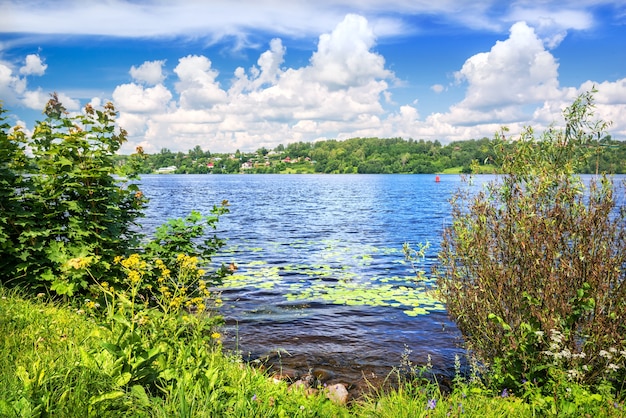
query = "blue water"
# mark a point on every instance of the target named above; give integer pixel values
(287, 231)
(298, 238)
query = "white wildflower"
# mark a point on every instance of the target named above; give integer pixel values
(613, 367)
(573, 374)
(605, 354)
(556, 336)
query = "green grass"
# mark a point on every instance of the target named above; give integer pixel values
(299, 168)
(47, 368)
(482, 169)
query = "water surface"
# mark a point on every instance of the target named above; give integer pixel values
(322, 280)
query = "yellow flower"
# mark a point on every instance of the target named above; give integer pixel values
(176, 302)
(132, 261)
(216, 335)
(134, 276)
(75, 263)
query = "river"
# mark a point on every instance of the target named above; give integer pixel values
(321, 279)
(322, 282)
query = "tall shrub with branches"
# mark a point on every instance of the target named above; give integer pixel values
(532, 267)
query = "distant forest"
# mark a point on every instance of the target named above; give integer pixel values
(356, 155)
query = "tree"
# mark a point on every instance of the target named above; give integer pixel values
(532, 268)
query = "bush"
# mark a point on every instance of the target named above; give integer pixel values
(64, 207)
(532, 267)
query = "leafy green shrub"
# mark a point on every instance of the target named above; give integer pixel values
(68, 206)
(533, 267)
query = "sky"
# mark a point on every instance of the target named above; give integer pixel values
(244, 74)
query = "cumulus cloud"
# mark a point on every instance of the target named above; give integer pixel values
(340, 94)
(339, 91)
(150, 72)
(11, 85)
(344, 58)
(14, 89)
(33, 66)
(197, 85)
(134, 98)
(518, 70)
(610, 103)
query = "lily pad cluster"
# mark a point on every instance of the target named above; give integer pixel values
(343, 276)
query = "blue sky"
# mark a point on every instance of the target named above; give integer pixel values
(246, 74)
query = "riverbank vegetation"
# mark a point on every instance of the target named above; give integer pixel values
(359, 155)
(98, 320)
(532, 267)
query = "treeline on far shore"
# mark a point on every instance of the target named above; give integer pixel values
(356, 155)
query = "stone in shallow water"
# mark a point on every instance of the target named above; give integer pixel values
(286, 374)
(322, 375)
(337, 393)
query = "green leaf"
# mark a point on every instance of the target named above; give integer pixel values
(123, 379)
(109, 396)
(140, 395)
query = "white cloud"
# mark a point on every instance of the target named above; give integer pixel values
(33, 66)
(340, 91)
(344, 58)
(437, 88)
(517, 71)
(11, 86)
(552, 23)
(219, 19)
(197, 86)
(35, 99)
(14, 88)
(339, 94)
(150, 72)
(134, 98)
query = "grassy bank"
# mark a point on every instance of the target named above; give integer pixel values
(54, 361)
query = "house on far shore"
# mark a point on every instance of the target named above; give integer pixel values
(167, 170)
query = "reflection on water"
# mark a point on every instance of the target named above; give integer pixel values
(322, 279)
